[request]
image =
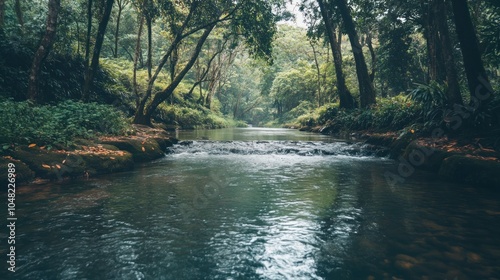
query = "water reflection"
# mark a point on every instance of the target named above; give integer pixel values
(263, 216)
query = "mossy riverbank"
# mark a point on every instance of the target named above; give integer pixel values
(473, 160)
(86, 158)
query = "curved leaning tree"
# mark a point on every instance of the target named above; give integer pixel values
(252, 20)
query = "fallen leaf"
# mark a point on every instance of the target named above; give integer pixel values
(143, 149)
(42, 148)
(32, 145)
(58, 166)
(64, 161)
(46, 166)
(112, 158)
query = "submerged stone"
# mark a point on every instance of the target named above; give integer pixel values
(475, 170)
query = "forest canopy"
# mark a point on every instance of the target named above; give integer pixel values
(357, 65)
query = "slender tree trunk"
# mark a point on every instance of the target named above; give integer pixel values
(143, 116)
(318, 73)
(2, 14)
(174, 58)
(89, 75)
(149, 62)
(437, 69)
(345, 96)
(43, 49)
(453, 92)
(117, 31)
(366, 90)
(19, 13)
(136, 60)
(369, 43)
(89, 34)
(177, 39)
(477, 79)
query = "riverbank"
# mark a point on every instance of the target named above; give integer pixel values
(474, 160)
(86, 158)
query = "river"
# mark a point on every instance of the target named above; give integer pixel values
(257, 204)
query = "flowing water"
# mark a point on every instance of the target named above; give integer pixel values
(258, 204)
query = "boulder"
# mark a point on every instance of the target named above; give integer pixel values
(142, 149)
(427, 158)
(23, 173)
(474, 170)
(60, 164)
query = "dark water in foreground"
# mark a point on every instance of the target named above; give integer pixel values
(287, 206)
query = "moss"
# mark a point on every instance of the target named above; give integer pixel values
(96, 164)
(57, 165)
(478, 171)
(142, 150)
(399, 145)
(432, 158)
(23, 173)
(45, 163)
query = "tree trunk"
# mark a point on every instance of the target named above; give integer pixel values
(477, 79)
(345, 96)
(437, 70)
(89, 75)
(19, 13)
(149, 62)
(453, 92)
(89, 34)
(318, 73)
(136, 60)
(366, 90)
(43, 49)
(373, 55)
(2, 14)
(178, 38)
(144, 114)
(117, 31)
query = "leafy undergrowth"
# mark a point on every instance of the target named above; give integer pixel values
(25, 123)
(391, 114)
(194, 118)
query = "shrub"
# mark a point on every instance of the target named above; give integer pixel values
(25, 123)
(392, 113)
(190, 118)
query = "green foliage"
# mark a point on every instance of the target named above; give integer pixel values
(490, 33)
(431, 96)
(191, 118)
(394, 58)
(393, 113)
(23, 123)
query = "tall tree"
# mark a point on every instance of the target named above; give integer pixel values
(453, 91)
(89, 33)
(431, 33)
(150, 11)
(366, 89)
(144, 116)
(345, 96)
(92, 69)
(477, 79)
(43, 49)
(2, 14)
(136, 60)
(121, 4)
(19, 13)
(253, 20)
